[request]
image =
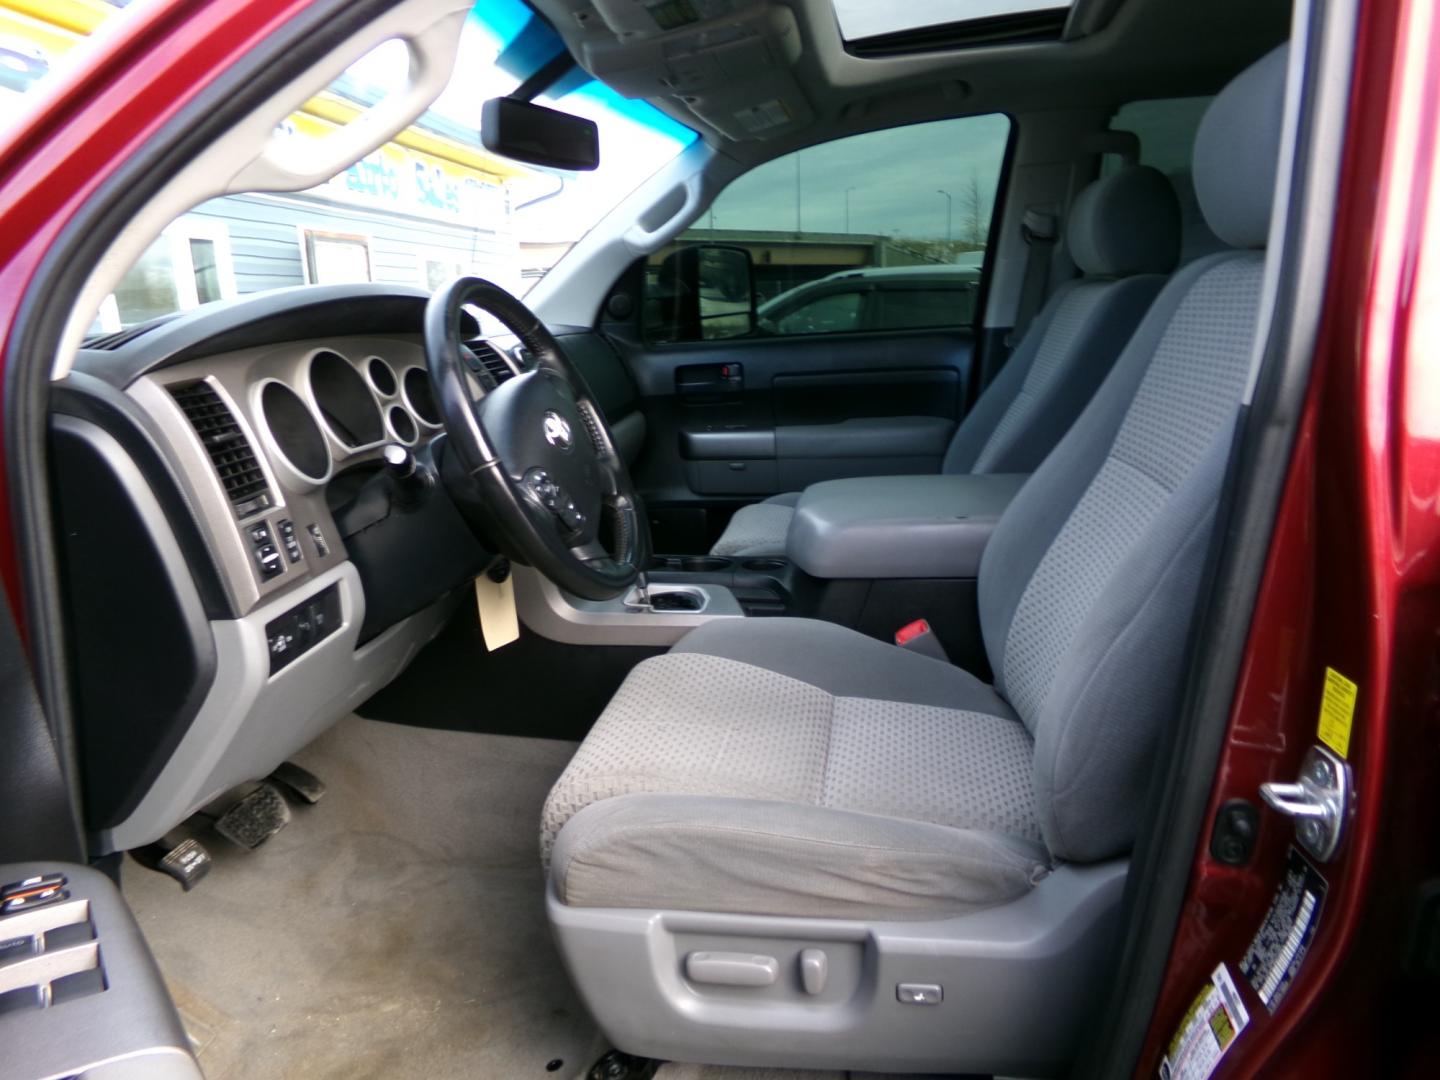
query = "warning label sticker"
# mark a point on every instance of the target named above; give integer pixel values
(1213, 1022)
(1337, 711)
(1274, 957)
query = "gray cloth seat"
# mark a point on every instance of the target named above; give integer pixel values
(795, 768)
(1123, 232)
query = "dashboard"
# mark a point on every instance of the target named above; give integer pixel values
(241, 569)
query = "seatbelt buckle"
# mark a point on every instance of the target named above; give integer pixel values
(917, 637)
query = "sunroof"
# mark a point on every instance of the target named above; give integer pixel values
(861, 20)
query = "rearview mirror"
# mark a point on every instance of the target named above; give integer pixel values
(523, 131)
(703, 292)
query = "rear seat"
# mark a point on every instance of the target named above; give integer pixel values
(1124, 235)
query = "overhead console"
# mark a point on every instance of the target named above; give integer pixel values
(727, 61)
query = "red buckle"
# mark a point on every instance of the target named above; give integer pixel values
(910, 631)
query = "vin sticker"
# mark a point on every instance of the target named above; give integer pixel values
(1211, 1025)
(1274, 957)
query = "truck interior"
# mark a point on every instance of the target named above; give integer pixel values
(860, 576)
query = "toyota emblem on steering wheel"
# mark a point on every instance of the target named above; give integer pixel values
(557, 431)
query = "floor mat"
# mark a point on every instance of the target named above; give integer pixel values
(394, 929)
(534, 686)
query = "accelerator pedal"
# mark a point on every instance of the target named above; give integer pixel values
(187, 861)
(301, 783)
(255, 818)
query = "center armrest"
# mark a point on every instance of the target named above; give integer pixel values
(898, 526)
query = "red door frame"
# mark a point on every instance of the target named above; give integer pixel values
(1354, 567)
(1352, 582)
(121, 87)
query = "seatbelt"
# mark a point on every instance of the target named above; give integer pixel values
(1040, 229)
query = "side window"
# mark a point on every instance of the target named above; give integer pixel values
(189, 264)
(830, 313)
(1166, 129)
(906, 211)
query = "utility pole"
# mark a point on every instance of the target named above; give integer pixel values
(847, 208)
(949, 215)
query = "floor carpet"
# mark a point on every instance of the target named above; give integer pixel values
(396, 928)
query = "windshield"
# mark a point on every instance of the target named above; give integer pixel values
(428, 205)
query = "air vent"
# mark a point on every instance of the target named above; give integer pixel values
(230, 452)
(491, 360)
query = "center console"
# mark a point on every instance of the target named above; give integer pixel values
(870, 553)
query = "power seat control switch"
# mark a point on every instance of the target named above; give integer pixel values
(919, 994)
(1319, 801)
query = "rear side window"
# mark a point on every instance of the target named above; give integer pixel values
(880, 231)
(1166, 129)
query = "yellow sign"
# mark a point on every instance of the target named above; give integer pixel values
(1337, 711)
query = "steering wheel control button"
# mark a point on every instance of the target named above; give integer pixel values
(919, 994)
(302, 627)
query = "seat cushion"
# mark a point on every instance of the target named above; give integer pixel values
(759, 530)
(715, 783)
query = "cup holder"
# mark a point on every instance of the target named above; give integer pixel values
(704, 564)
(764, 566)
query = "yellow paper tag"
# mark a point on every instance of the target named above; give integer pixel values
(498, 620)
(1337, 711)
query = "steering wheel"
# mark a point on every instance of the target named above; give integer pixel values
(532, 461)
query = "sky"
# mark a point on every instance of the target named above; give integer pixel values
(894, 178)
(866, 18)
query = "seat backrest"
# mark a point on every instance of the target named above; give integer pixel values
(1123, 232)
(1089, 582)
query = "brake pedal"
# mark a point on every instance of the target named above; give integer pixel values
(187, 862)
(302, 783)
(255, 818)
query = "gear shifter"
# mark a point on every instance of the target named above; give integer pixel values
(409, 479)
(642, 590)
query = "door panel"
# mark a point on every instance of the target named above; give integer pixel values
(734, 421)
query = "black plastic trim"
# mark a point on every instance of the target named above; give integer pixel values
(85, 397)
(144, 654)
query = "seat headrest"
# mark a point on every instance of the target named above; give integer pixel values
(1237, 148)
(1127, 223)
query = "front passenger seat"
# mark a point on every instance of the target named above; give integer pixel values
(1124, 235)
(788, 844)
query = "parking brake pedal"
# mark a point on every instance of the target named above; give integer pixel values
(255, 818)
(187, 861)
(302, 783)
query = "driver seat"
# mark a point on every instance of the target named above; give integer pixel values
(788, 844)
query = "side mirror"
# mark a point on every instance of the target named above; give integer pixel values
(705, 292)
(523, 131)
